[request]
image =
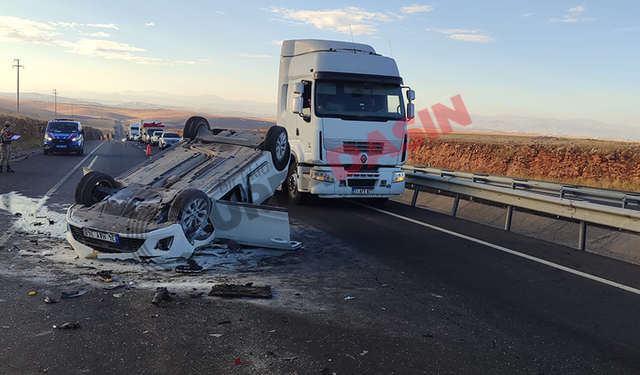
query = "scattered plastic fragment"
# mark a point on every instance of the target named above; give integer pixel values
(238, 361)
(105, 274)
(191, 267)
(215, 334)
(364, 352)
(247, 290)
(78, 293)
(67, 326)
(196, 294)
(349, 298)
(49, 300)
(161, 294)
(32, 293)
(117, 295)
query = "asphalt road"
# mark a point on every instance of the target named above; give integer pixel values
(425, 301)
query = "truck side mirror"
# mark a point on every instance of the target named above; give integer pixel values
(297, 105)
(411, 95)
(411, 111)
(298, 89)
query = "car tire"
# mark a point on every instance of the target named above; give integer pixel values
(193, 126)
(87, 191)
(80, 152)
(46, 152)
(291, 186)
(277, 143)
(190, 208)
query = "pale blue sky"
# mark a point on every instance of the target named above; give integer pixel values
(560, 59)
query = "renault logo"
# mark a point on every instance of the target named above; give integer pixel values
(363, 158)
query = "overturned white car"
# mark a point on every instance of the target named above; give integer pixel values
(214, 184)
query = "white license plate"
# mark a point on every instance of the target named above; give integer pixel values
(61, 146)
(361, 191)
(110, 237)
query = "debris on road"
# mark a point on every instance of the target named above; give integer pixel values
(78, 293)
(238, 361)
(364, 352)
(105, 274)
(67, 326)
(348, 298)
(215, 334)
(191, 267)
(161, 294)
(32, 293)
(247, 290)
(49, 300)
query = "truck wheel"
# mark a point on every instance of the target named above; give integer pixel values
(88, 190)
(277, 143)
(193, 126)
(291, 186)
(191, 209)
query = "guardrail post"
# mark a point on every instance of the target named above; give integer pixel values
(455, 205)
(416, 191)
(582, 240)
(507, 222)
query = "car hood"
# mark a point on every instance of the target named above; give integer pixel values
(63, 135)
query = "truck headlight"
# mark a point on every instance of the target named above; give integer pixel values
(398, 176)
(322, 176)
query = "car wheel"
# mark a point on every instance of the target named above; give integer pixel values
(89, 192)
(191, 209)
(277, 143)
(291, 186)
(194, 125)
(46, 152)
(80, 152)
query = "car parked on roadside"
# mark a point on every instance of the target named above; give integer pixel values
(216, 184)
(155, 137)
(64, 135)
(168, 140)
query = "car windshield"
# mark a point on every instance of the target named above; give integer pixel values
(63, 127)
(157, 133)
(364, 101)
(171, 135)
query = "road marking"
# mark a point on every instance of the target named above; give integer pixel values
(5, 237)
(510, 251)
(93, 161)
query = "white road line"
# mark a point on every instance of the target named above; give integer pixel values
(507, 250)
(5, 237)
(93, 161)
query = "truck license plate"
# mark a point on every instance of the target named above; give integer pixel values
(110, 237)
(361, 191)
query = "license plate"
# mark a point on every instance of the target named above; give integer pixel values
(61, 146)
(361, 191)
(110, 237)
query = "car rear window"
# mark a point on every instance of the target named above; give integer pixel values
(171, 135)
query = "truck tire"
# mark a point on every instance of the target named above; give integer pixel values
(291, 186)
(193, 126)
(277, 143)
(191, 209)
(87, 191)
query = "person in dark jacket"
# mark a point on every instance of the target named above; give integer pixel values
(5, 146)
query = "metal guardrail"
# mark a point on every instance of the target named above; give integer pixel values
(588, 205)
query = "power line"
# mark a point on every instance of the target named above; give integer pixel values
(17, 65)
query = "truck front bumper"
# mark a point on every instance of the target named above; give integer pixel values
(364, 184)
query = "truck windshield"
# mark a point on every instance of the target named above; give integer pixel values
(364, 101)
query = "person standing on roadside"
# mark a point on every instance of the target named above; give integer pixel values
(5, 146)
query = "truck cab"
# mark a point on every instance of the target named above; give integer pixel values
(344, 108)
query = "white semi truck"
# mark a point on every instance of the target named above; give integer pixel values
(134, 131)
(344, 109)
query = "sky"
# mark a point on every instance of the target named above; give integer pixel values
(555, 58)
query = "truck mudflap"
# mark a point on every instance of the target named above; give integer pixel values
(253, 225)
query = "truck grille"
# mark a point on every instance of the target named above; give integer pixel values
(126, 245)
(361, 182)
(370, 148)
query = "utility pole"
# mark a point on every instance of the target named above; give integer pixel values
(55, 98)
(17, 61)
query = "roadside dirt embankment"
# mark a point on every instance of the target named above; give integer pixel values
(31, 131)
(607, 164)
